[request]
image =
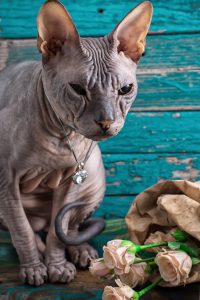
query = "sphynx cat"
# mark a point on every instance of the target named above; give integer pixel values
(89, 84)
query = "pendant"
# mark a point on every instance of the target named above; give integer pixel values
(80, 175)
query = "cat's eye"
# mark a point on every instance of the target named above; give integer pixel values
(125, 89)
(78, 89)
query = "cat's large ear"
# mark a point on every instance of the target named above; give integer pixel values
(131, 32)
(55, 26)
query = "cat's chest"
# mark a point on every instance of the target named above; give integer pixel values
(53, 164)
(40, 179)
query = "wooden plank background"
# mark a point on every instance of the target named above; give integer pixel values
(18, 16)
(168, 78)
(162, 129)
(160, 139)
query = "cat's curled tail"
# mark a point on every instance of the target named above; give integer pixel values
(88, 229)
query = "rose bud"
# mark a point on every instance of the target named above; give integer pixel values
(118, 293)
(174, 266)
(117, 258)
(98, 268)
(137, 275)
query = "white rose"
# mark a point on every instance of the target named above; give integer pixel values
(118, 293)
(174, 266)
(117, 258)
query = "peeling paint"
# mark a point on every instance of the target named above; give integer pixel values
(176, 115)
(120, 163)
(136, 161)
(177, 161)
(110, 172)
(137, 178)
(161, 179)
(186, 174)
(149, 114)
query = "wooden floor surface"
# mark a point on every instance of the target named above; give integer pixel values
(85, 286)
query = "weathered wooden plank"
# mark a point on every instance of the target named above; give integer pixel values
(18, 18)
(114, 207)
(84, 286)
(80, 290)
(132, 173)
(168, 78)
(169, 53)
(157, 132)
(168, 90)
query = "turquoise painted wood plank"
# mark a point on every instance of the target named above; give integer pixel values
(49, 292)
(132, 173)
(114, 207)
(95, 17)
(168, 89)
(167, 78)
(171, 51)
(157, 132)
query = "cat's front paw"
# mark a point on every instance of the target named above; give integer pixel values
(82, 255)
(33, 274)
(63, 272)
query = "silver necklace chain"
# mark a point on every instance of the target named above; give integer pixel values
(80, 174)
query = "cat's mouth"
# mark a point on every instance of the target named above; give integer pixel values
(101, 137)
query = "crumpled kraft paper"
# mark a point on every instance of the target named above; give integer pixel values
(165, 205)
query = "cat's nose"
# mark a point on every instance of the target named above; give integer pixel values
(105, 124)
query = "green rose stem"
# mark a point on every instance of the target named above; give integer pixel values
(137, 248)
(148, 260)
(146, 289)
(134, 248)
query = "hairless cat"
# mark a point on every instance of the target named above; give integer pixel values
(52, 113)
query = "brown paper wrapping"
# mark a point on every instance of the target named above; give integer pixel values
(160, 208)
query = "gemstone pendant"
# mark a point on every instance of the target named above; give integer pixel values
(80, 175)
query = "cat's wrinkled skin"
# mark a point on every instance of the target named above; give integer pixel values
(82, 78)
